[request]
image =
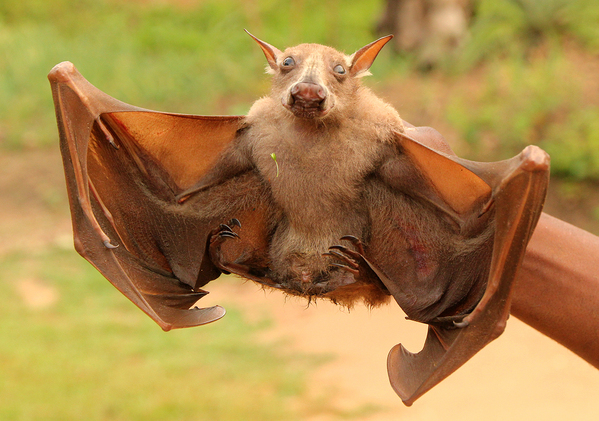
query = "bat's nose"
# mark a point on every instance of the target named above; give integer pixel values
(310, 94)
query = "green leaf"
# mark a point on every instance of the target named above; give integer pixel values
(274, 157)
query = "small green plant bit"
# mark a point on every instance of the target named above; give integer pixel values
(274, 158)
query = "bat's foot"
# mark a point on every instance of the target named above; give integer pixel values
(354, 262)
(220, 235)
(237, 258)
(224, 231)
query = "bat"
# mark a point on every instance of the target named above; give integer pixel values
(321, 191)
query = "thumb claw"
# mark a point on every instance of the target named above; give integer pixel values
(109, 245)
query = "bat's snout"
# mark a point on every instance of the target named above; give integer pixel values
(311, 94)
(308, 100)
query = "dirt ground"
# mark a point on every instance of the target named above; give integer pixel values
(521, 376)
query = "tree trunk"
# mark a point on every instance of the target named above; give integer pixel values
(429, 29)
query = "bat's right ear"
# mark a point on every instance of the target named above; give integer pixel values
(270, 52)
(363, 58)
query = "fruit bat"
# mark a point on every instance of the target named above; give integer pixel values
(321, 191)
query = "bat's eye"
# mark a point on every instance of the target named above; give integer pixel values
(339, 69)
(289, 62)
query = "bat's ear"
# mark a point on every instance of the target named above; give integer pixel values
(363, 58)
(270, 52)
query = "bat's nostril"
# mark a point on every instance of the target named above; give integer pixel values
(309, 92)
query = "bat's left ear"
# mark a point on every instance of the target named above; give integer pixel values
(363, 58)
(270, 52)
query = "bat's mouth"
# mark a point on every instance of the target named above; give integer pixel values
(309, 112)
(308, 100)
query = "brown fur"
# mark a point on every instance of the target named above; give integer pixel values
(323, 157)
(337, 171)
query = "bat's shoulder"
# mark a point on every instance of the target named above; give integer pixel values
(264, 110)
(426, 136)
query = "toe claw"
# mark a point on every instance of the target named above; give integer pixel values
(339, 247)
(225, 227)
(357, 243)
(352, 238)
(345, 250)
(235, 222)
(229, 234)
(346, 268)
(348, 260)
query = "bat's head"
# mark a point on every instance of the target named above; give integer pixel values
(313, 81)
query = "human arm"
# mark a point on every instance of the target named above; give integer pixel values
(557, 288)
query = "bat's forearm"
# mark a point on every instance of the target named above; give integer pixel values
(557, 289)
(230, 165)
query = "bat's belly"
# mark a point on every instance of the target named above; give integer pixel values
(316, 208)
(298, 248)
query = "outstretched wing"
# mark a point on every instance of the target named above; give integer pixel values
(506, 196)
(124, 166)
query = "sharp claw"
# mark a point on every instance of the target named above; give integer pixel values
(341, 256)
(235, 222)
(352, 238)
(487, 206)
(109, 245)
(339, 247)
(347, 268)
(355, 241)
(461, 324)
(180, 198)
(229, 234)
(107, 134)
(334, 253)
(354, 254)
(225, 227)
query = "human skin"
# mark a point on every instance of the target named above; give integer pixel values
(557, 288)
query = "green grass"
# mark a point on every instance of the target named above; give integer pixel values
(516, 104)
(192, 58)
(92, 355)
(513, 29)
(538, 101)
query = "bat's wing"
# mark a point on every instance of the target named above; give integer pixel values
(124, 166)
(513, 192)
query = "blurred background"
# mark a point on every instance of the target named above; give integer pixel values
(492, 76)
